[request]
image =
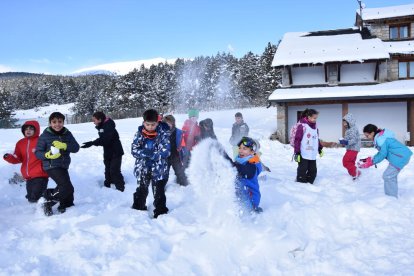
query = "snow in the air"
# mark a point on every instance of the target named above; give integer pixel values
(335, 227)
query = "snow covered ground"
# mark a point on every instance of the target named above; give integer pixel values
(336, 226)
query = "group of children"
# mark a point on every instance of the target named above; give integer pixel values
(307, 145)
(157, 146)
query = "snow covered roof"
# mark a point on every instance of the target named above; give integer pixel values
(394, 89)
(400, 47)
(304, 48)
(387, 12)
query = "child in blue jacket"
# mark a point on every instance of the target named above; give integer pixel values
(397, 154)
(151, 148)
(248, 168)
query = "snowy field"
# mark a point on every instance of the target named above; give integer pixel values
(335, 227)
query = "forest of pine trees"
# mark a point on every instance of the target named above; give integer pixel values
(206, 83)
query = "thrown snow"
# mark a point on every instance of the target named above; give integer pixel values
(336, 226)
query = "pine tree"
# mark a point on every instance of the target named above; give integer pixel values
(6, 110)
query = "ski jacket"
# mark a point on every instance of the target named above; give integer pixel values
(247, 183)
(151, 154)
(391, 149)
(45, 142)
(24, 153)
(307, 141)
(191, 133)
(352, 134)
(109, 139)
(238, 131)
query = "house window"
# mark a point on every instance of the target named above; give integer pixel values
(399, 32)
(406, 69)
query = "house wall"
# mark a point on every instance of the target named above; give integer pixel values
(382, 31)
(358, 72)
(308, 75)
(390, 115)
(329, 121)
(393, 69)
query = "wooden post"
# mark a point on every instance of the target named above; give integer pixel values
(410, 120)
(344, 112)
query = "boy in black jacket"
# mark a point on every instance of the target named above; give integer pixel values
(54, 147)
(113, 151)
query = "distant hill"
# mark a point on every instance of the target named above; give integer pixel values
(121, 68)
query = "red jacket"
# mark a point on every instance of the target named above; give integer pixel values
(24, 153)
(191, 133)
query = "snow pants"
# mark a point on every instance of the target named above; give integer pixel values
(158, 190)
(174, 161)
(64, 189)
(390, 181)
(35, 188)
(113, 173)
(349, 162)
(307, 171)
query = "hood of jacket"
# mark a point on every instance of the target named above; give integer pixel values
(34, 124)
(380, 137)
(350, 120)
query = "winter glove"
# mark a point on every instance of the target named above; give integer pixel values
(365, 163)
(297, 157)
(343, 142)
(49, 155)
(321, 153)
(6, 156)
(87, 145)
(60, 145)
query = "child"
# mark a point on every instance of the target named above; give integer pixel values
(207, 129)
(248, 168)
(112, 148)
(352, 143)
(177, 151)
(151, 148)
(397, 154)
(239, 130)
(32, 171)
(307, 146)
(191, 133)
(53, 148)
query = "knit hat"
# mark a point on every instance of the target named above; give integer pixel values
(238, 114)
(193, 113)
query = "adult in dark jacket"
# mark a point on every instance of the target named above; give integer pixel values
(113, 151)
(54, 147)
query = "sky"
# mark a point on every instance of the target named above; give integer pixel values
(60, 37)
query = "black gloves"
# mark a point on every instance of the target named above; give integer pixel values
(87, 145)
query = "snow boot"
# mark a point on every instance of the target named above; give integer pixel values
(47, 208)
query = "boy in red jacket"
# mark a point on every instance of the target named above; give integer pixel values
(32, 171)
